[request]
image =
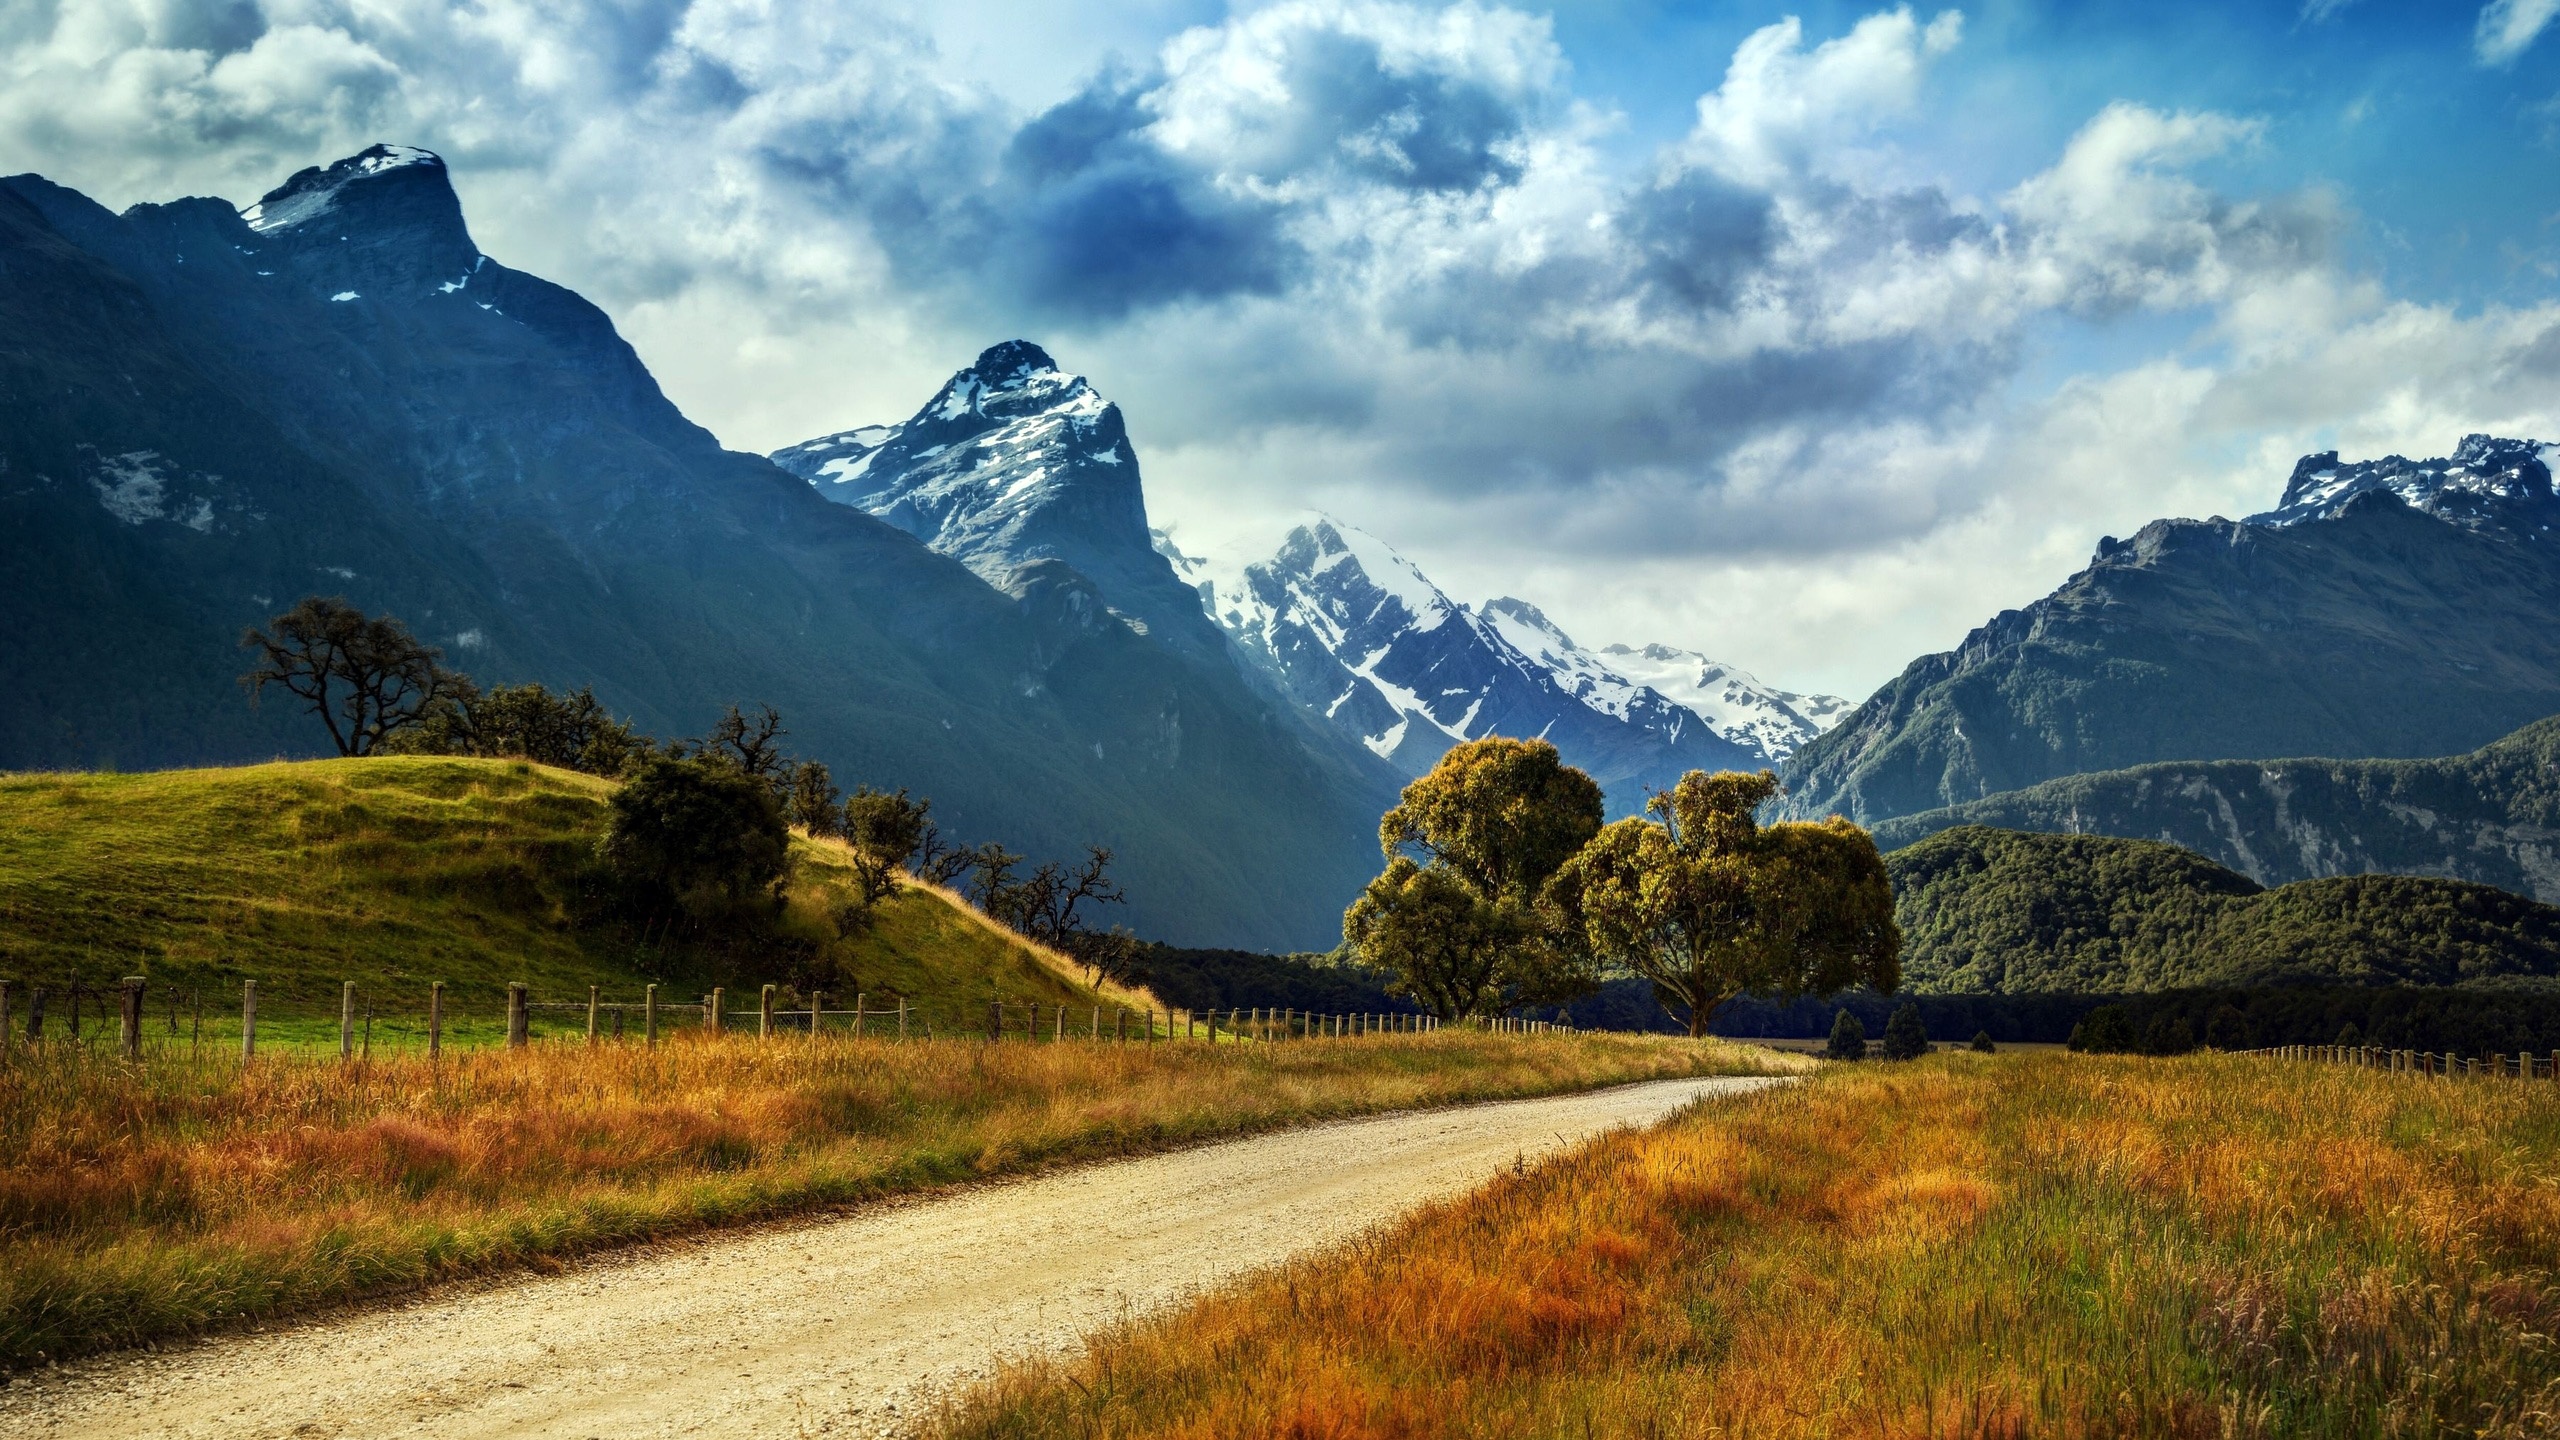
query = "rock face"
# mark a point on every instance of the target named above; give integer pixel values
(2386, 610)
(1351, 632)
(208, 412)
(1013, 462)
(2491, 816)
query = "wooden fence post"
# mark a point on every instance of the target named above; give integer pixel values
(1058, 1025)
(764, 1013)
(995, 1021)
(4, 1015)
(595, 1007)
(435, 1020)
(902, 1018)
(1120, 1024)
(132, 1017)
(818, 1011)
(857, 1014)
(347, 1020)
(519, 1027)
(1097, 1023)
(248, 1019)
(1031, 1027)
(711, 1011)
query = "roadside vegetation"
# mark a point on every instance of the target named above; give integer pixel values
(147, 1199)
(1980, 1245)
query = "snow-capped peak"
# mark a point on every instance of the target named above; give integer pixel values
(2485, 481)
(310, 192)
(1733, 700)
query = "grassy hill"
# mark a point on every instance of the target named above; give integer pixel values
(2491, 816)
(397, 871)
(1987, 911)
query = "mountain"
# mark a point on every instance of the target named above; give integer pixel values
(2491, 816)
(1356, 636)
(1013, 463)
(2384, 610)
(206, 412)
(1987, 911)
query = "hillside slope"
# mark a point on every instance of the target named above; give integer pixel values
(207, 413)
(1987, 911)
(2491, 816)
(2361, 625)
(397, 871)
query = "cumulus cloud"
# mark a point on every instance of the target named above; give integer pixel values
(1381, 257)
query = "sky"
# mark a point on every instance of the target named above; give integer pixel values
(1807, 336)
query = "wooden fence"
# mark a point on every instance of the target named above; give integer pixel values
(2522, 1065)
(129, 1008)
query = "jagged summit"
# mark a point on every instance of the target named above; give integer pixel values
(2486, 481)
(382, 219)
(1357, 636)
(1014, 462)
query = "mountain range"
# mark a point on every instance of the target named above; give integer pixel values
(1022, 471)
(2389, 609)
(207, 412)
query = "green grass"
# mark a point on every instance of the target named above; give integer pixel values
(395, 872)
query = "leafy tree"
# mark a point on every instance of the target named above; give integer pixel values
(885, 830)
(810, 799)
(1905, 1037)
(1707, 905)
(991, 868)
(2106, 1030)
(1982, 1043)
(1459, 916)
(1848, 1038)
(527, 722)
(693, 833)
(2168, 1035)
(2227, 1029)
(2348, 1034)
(365, 677)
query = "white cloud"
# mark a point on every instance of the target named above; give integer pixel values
(2508, 27)
(1783, 111)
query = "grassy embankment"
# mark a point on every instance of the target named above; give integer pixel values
(141, 1200)
(1965, 1245)
(395, 872)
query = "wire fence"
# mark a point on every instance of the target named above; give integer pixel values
(134, 1014)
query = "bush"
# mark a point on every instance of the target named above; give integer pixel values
(1848, 1039)
(1982, 1043)
(2107, 1030)
(1905, 1038)
(691, 833)
(2227, 1030)
(2349, 1035)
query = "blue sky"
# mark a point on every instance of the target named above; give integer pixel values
(1808, 336)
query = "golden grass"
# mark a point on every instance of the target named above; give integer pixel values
(155, 1197)
(1960, 1246)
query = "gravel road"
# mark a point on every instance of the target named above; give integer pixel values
(843, 1326)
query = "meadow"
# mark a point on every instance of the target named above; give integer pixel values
(1969, 1245)
(145, 1199)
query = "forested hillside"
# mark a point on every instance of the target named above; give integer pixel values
(2491, 816)
(1992, 911)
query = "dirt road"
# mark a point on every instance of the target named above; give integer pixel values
(844, 1326)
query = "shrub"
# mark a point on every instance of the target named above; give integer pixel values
(2227, 1029)
(2107, 1030)
(2168, 1035)
(1848, 1039)
(2349, 1035)
(1982, 1043)
(1905, 1038)
(689, 832)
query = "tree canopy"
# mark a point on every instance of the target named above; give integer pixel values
(366, 677)
(1460, 916)
(1705, 903)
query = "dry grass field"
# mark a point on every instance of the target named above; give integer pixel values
(148, 1198)
(1963, 1245)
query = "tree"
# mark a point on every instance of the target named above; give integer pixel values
(990, 872)
(1460, 917)
(1905, 1037)
(1708, 905)
(885, 830)
(810, 799)
(528, 722)
(2106, 1030)
(365, 677)
(1982, 1043)
(2227, 1028)
(752, 745)
(1848, 1038)
(692, 832)
(2349, 1036)
(2168, 1035)
(1049, 907)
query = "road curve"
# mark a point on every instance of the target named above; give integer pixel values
(843, 1326)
